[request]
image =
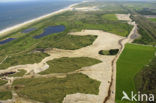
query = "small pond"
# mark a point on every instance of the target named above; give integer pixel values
(51, 30)
(6, 40)
(28, 30)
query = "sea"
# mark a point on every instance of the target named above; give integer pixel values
(12, 13)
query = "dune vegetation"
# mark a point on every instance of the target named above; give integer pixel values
(2, 82)
(5, 94)
(109, 52)
(53, 90)
(22, 59)
(20, 73)
(65, 65)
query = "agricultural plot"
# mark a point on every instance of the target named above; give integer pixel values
(131, 61)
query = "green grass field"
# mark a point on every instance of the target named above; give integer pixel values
(131, 61)
(152, 19)
(65, 65)
(109, 17)
(53, 90)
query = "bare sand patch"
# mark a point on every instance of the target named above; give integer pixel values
(125, 17)
(94, 8)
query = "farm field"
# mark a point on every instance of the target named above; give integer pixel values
(131, 61)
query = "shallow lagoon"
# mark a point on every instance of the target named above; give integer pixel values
(51, 30)
(6, 41)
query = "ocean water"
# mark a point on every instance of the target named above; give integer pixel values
(17, 12)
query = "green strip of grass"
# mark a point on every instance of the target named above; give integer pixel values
(53, 90)
(65, 65)
(22, 59)
(20, 73)
(131, 61)
(2, 82)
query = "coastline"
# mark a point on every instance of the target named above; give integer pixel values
(4, 32)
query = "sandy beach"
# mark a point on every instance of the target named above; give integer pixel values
(16, 27)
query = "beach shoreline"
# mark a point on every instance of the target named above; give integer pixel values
(6, 31)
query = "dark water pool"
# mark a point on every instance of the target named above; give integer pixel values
(6, 40)
(28, 30)
(51, 30)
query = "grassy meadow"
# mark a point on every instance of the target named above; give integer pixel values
(53, 90)
(131, 62)
(152, 19)
(65, 65)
